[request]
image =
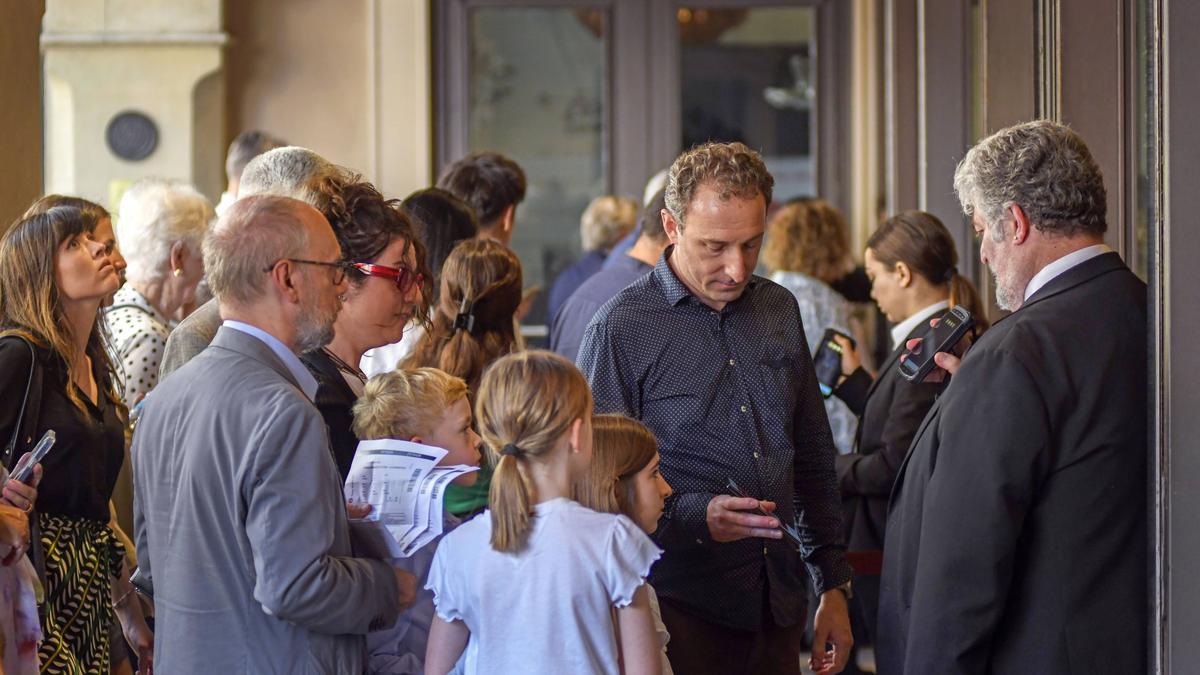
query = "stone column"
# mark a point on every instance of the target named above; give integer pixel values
(160, 60)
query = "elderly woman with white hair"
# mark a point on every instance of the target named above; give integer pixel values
(160, 226)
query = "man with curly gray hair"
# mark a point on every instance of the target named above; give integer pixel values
(714, 360)
(1017, 527)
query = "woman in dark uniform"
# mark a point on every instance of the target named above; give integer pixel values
(913, 266)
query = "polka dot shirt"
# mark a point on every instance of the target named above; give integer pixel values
(728, 394)
(138, 333)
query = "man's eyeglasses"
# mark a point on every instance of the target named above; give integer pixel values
(339, 267)
(403, 277)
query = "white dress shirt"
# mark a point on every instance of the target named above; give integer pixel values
(922, 316)
(1063, 264)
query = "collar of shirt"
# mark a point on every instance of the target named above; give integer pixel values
(675, 291)
(902, 329)
(308, 383)
(1063, 264)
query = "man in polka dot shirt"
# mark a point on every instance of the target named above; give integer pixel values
(714, 360)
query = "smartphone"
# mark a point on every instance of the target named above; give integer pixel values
(916, 363)
(828, 361)
(24, 468)
(791, 532)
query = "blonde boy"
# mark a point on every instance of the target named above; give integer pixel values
(428, 406)
(422, 405)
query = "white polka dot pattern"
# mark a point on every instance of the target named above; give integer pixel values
(137, 333)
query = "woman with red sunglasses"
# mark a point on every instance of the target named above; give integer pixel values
(387, 288)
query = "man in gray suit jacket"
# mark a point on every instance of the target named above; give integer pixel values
(240, 522)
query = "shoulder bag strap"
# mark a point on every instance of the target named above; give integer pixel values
(10, 453)
(27, 424)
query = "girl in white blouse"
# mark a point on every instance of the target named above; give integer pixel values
(624, 478)
(531, 585)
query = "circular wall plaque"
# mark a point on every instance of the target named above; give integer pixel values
(131, 135)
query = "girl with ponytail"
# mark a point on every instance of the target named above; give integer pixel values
(913, 266)
(472, 327)
(533, 584)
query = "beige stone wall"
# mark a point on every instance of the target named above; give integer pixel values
(349, 79)
(21, 113)
(158, 57)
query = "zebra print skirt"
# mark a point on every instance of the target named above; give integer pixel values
(81, 555)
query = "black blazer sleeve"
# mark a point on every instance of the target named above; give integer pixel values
(994, 456)
(853, 390)
(887, 433)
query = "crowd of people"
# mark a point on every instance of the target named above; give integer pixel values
(663, 490)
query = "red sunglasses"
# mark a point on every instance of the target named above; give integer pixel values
(404, 278)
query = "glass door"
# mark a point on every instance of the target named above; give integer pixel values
(746, 74)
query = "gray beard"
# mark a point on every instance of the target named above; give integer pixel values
(1008, 298)
(313, 331)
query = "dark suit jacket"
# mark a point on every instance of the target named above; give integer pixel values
(1017, 533)
(890, 409)
(335, 399)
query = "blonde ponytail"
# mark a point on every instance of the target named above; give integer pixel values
(527, 402)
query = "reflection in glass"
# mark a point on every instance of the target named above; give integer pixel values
(748, 75)
(1147, 195)
(537, 93)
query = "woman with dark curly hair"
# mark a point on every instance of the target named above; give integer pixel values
(384, 263)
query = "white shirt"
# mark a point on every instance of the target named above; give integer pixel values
(1047, 273)
(385, 359)
(227, 200)
(660, 629)
(902, 329)
(308, 383)
(548, 607)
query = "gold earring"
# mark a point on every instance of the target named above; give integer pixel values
(178, 271)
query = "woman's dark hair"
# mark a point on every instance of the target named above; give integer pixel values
(30, 305)
(473, 324)
(365, 224)
(90, 209)
(442, 220)
(920, 241)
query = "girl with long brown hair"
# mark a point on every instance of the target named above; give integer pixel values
(472, 327)
(624, 478)
(913, 266)
(531, 585)
(54, 276)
